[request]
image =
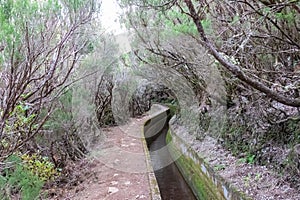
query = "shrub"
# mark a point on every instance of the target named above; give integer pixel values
(17, 180)
(40, 166)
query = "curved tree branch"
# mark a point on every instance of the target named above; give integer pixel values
(234, 69)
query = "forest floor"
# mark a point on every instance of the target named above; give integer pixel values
(116, 170)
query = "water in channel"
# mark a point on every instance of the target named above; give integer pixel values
(170, 181)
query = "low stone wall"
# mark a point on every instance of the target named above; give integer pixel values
(197, 173)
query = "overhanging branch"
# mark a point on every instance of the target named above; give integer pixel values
(235, 69)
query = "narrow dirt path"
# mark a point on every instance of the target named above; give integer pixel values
(117, 168)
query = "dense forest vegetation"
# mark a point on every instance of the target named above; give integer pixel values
(241, 59)
(228, 69)
(42, 44)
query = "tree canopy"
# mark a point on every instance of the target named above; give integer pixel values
(256, 41)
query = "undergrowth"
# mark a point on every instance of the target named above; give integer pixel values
(272, 148)
(24, 176)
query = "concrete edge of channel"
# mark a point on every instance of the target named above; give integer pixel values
(156, 110)
(223, 189)
(154, 189)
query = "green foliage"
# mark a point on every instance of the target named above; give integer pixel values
(232, 135)
(177, 22)
(22, 119)
(173, 106)
(287, 132)
(257, 177)
(35, 35)
(63, 113)
(20, 15)
(171, 103)
(142, 2)
(247, 179)
(40, 166)
(286, 16)
(18, 123)
(17, 178)
(250, 158)
(75, 5)
(206, 23)
(293, 126)
(235, 19)
(219, 167)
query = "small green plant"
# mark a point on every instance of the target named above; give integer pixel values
(248, 159)
(219, 167)
(247, 180)
(173, 105)
(257, 177)
(40, 166)
(17, 179)
(242, 160)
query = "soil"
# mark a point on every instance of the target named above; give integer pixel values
(122, 176)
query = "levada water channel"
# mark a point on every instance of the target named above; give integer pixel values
(170, 181)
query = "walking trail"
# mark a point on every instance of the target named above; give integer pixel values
(117, 169)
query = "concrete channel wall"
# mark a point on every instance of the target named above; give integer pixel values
(157, 119)
(198, 174)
